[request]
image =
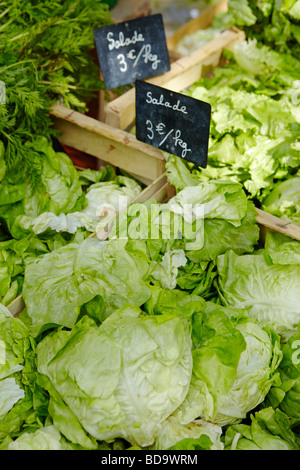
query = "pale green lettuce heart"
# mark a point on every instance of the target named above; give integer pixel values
(121, 379)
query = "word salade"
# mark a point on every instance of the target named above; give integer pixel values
(131, 50)
(173, 122)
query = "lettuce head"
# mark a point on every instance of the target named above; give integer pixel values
(121, 379)
(266, 283)
(23, 404)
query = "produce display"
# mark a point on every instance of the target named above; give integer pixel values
(275, 23)
(272, 22)
(148, 326)
(255, 125)
(44, 200)
(148, 343)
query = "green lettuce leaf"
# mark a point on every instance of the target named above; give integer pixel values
(198, 435)
(270, 21)
(234, 366)
(254, 135)
(285, 395)
(59, 191)
(284, 200)
(123, 379)
(269, 430)
(46, 438)
(23, 404)
(204, 220)
(103, 200)
(59, 283)
(173, 302)
(266, 286)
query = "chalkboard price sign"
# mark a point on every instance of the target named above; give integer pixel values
(173, 122)
(135, 49)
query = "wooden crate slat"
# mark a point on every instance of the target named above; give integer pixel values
(16, 306)
(269, 222)
(113, 146)
(158, 189)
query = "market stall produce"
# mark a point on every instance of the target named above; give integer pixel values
(248, 143)
(148, 324)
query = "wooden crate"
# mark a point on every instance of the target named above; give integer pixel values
(183, 73)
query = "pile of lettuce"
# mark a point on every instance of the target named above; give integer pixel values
(144, 341)
(255, 128)
(70, 206)
(284, 200)
(275, 23)
(45, 202)
(149, 326)
(255, 106)
(272, 22)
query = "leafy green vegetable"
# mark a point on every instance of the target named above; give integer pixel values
(193, 219)
(73, 275)
(174, 302)
(58, 37)
(97, 208)
(273, 22)
(265, 283)
(254, 135)
(46, 56)
(269, 430)
(284, 200)
(45, 438)
(234, 366)
(198, 435)
(23, 404)
(190, 42)
(123, 379)
(182, 239)
(285, 395)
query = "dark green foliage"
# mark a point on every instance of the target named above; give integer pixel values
(46, 55)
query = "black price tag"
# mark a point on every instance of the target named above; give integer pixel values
(135, 49)
(173, 122)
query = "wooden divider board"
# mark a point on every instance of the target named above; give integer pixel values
(113, 146)
(271, 223)
(184, 72)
